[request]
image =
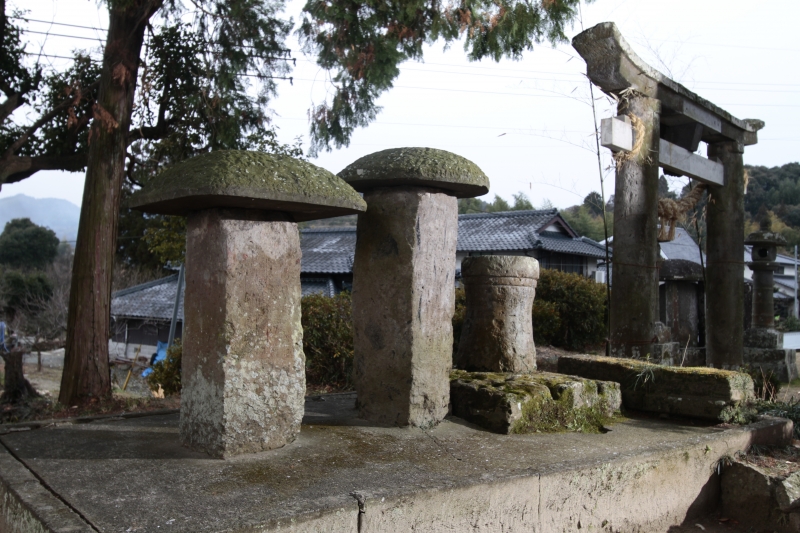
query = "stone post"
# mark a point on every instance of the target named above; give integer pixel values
(404, 281)
(634, 299)
(497, 335)
(243, 367)
(725, 266)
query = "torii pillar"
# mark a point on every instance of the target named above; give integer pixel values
(672, 123)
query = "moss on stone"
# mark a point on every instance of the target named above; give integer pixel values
(250, 180)
(545, 402)
(426, 167)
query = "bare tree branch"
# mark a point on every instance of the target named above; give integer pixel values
(17, 168)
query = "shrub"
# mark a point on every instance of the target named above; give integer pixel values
(328, 339)
(167, 373)
(571, 310)
(546, 322)
(458, 316)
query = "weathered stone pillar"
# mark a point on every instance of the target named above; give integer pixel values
(634, 298)
(404, 280)
(243, 367)
(725, 267)
(497, 335)
(245, 393)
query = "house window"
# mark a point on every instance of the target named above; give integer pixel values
(574, 264)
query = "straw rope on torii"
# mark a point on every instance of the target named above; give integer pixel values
(670, 211)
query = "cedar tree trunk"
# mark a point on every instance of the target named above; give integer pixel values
(86, 370)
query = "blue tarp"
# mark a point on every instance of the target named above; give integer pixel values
(3, 336)
(161, 354)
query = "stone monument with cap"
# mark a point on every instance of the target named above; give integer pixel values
(404, 280)
(243, 367)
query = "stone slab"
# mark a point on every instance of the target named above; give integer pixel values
(134, 475)
(516, 403)
(248, 180)
(686, 391)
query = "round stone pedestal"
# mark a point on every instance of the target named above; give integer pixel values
(497, 335)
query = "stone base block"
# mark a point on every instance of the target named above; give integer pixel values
(539, 402)
(763, 338)
(778, 362)
(687, 391)
(755, 498)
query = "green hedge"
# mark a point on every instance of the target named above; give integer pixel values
(328, 340)
(569, 311)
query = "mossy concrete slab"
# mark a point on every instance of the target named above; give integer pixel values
(133, 475)
(700, 392)
(419, 167)
(537, 402)
(249, 180)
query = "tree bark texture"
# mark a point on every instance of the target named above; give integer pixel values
(634, 299)
(725, 268)
(15, 387)
(86, 370)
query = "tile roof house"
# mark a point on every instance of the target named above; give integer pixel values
(141, 314)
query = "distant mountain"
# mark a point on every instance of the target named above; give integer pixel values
(59, 215)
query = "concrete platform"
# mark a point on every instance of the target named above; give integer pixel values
(343, 474)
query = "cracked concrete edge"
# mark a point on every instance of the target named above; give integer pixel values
(683, 480)
(26, 506)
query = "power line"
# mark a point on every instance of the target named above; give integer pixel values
(59, 24)
(63, 35)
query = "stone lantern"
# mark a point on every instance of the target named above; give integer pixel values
(404, 280)
(763, 345)
(765, 244)
(243, 367)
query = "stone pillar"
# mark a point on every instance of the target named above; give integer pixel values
(403, 305)
(243, 368)
(243, 365)
(497, 335)
(725, 266)
(634, 298)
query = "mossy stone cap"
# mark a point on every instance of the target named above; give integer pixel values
(248, 180)
(421, 167)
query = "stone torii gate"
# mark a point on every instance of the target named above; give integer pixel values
(660, 123)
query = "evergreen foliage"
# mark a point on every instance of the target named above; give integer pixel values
(24, 245)
(498, 205)
(364, 41)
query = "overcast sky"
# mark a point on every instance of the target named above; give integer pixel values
(528, 124)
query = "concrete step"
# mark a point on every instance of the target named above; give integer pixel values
(344, 474)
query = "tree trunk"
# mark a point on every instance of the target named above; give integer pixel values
(86, 370)
(16, 387)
